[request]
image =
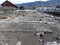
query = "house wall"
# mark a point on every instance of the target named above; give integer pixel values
(9, 7)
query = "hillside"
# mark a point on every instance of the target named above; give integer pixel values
(39, 3)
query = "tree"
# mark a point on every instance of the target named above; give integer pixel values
(22, 8)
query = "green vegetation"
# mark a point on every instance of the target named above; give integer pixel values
(8, 10)
(11, 10)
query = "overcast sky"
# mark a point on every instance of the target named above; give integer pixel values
(21, 1)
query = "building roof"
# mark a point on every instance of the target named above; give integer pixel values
(7, 3)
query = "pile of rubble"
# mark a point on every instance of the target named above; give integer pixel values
(52, 43)
(32, 17)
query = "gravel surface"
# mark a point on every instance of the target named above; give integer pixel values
(23, 28)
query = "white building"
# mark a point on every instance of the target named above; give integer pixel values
(45, 8)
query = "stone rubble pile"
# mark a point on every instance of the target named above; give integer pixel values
(31, 17)
(52, 43)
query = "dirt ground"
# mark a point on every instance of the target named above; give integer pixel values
(13, 30)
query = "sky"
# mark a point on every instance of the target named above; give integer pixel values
(21, 1)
